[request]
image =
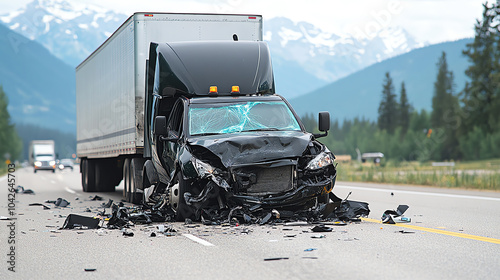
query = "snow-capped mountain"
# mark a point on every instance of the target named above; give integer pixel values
(328, 56)
(69, 30)
(304, 57)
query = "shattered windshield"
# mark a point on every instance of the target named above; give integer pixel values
(238, 117)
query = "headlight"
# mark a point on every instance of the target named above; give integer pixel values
(52, 162)
(203, 169)
(38, 163)
(320, 161)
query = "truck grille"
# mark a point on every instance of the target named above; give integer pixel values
(262, 181)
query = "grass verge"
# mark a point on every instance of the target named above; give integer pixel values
(481, 175)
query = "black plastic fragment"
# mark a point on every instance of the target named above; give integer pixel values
(276, 259)
(77, 221)
(128, 233)
(96, 197)
(45, 207)
(61, 202)
(119, 217)
(349, 210)
(89, 269)
(265, 219)
(322, 228)
(20, 189)
(108, 204)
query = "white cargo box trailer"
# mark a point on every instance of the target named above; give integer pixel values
(111, 82)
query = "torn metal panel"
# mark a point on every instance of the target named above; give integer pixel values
(348, 210)
(254, 147)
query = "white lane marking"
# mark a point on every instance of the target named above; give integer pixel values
(197, 239)
(70, 190)
(3, 178)
(420, 193)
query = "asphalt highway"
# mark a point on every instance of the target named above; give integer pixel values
(453, 234)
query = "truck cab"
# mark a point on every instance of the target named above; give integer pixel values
(221, 137)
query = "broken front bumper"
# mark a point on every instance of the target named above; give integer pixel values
(301, 196)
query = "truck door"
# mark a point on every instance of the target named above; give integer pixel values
(174, 128)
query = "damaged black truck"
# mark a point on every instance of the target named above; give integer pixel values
(201, 127)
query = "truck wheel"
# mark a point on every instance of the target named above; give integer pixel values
(135, 170)
(88, 176)
(126, 177)
(177, 202)
(104, 175)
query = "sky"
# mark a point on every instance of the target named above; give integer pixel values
(429, 21)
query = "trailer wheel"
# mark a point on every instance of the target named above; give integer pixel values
(88, 176)
(126, 177)
(104, 175)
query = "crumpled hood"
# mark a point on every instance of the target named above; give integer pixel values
(254, 147)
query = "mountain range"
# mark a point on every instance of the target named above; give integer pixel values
(40, 87)
(304, 56)
(359, 94)
(314, 69)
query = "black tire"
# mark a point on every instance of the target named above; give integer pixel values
(104, 174)
(181, 209)
(88, 175)
(53, 171)
(35, 171)
(126, 178)
(135, 172)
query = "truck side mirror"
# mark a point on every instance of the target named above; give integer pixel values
(323, 124)
(160, 128)
(324, 121)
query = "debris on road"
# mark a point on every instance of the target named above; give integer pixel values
(310, 250)
(346, 210)
(127, 233)
(96, 197)
(318, 236)
(108, 204)
(45, 207)
(276, 259)
(3, 218)
(322, 228)
(80, 222)
(396, 216)
(405, 232)
(89, 269)
(20, 189)
(60, 202)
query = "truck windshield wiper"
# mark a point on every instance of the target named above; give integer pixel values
(205, 134)
(264, 129)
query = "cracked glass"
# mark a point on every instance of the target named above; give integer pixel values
(240, 117)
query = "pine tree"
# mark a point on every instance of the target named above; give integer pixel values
(404, 109)
(481, 97)
(9, 140)
(444, 116)
(442, 90)
(388, 108)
